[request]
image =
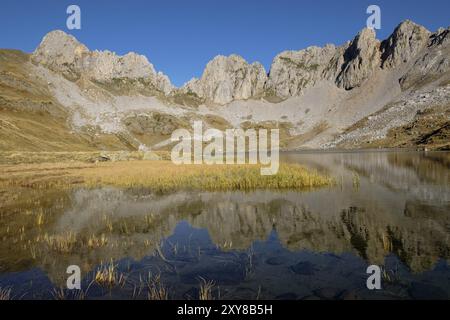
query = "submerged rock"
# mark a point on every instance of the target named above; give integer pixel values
(303, 268)
(276, 261)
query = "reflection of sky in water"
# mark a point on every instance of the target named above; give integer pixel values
(265, 244)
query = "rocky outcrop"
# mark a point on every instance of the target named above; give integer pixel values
(404, 44)
(417, 116)
(62, 53)
(348, 66)
(361, 58)
(433, 63)
(353, 63)
(293, 71)
(228, 78)
(153, 123)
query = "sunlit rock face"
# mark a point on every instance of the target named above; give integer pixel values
(404, 44)
(229, 78)
(348, 66)
(63, 53)
(293, 71)
(361, 59)
(433, 61)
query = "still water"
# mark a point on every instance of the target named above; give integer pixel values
(390, 209)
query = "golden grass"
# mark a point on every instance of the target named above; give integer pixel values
(156, 289)
(107, 275)
(390, 276)
(356, 180)
(63, 243)
(97, 242)
(25, 157)
(5, 294)
(163, 176)
(40, 219)
(206, 289)
(69, 242)
(160, 176)
(63, 294)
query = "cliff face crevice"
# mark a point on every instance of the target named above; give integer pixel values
(361, 59)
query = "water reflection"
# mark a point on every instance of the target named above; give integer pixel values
(389, 209)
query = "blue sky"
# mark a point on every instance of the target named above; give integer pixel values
(180, 37)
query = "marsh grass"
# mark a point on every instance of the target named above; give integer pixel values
(156, 289)
(24, 157)
(107, 275)
(206, 289)
(5, 294)
(64, 294)
(390, 276)
(62, 243)
(164, 176)
(69, 242)
(387, 243)
(356, 181)
(97, 241)
(40, 219)
(159, 176)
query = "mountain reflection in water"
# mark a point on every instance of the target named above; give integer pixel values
(388, 208)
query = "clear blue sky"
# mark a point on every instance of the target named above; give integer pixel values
(180, 37)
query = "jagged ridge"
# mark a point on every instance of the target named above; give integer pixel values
(314, 94)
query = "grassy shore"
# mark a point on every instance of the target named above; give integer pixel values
(159, 176)
(165, 176)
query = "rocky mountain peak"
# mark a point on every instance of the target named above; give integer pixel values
(106, 65)
(63, 53)
(407, 40)
(361, 58)
(229, 78)
(432, 63)
(348, 65)
(293, 71)
(441, 37)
